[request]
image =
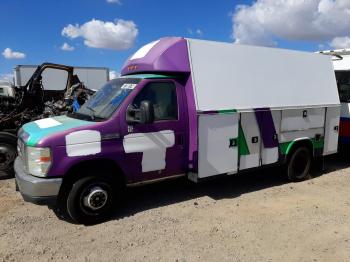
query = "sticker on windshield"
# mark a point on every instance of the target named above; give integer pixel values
(128, 86)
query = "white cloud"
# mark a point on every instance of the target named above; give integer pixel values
(9, 54)
(67, 47)
(198, 32)
(340, 42)
(114, 2)
(6, 77)
(113, 74)
(266, 21)
(118, 35)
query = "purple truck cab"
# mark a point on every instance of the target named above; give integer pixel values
(136, 129)
(182, 107)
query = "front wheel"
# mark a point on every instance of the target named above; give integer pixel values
(8, 154)
(91, 199)
(299, 164)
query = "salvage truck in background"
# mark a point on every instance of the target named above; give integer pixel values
(182, 107)
(39, 92)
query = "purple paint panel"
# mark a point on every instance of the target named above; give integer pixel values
(267, 127)
(168, 55)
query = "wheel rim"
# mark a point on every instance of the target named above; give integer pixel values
(94, 199)
(300, 163)
(7, 156)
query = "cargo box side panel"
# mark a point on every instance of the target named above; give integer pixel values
(218, 145)
(331, 131)
(245, 77)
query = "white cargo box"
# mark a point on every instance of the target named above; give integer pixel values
(231, 76)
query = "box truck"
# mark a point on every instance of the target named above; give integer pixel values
(341, 63)
(182, 107)
(92, 77)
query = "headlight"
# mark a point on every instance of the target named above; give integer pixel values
(38, 160)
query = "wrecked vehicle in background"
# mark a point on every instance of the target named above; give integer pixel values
(52, 89)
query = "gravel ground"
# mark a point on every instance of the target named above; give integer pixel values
(251, 217)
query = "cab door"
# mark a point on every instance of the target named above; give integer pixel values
(158, 149)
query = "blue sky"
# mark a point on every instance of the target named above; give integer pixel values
(34, 28)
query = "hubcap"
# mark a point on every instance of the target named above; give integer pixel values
(96, 199)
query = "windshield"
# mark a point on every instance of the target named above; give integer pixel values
(106, 100)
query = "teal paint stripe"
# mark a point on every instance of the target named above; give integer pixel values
(147, 76)
(35, 133)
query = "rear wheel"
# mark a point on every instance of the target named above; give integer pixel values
(299, 164)
(91, 199)
(8, 153)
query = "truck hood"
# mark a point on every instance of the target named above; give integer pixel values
(35, 131)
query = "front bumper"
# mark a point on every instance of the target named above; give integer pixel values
(41, 191)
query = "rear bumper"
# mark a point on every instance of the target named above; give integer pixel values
(41, 191)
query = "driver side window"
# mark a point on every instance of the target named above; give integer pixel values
(163, 97)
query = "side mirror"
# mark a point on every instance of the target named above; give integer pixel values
(144, 115)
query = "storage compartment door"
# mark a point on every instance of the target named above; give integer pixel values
(302, 119)
(218, 151)
(331, 131)
(269, 122)
(250, 134)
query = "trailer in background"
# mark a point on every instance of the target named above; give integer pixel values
(341, 64)
(92, 77)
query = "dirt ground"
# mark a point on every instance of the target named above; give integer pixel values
(251, 217)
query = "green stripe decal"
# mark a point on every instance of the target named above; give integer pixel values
(227, 111)
(242, 143)
(316, 144)
(285, 147)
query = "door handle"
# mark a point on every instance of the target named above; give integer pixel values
(180, 140)
(255, 139)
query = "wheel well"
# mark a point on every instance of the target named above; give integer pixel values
(101, 167)
(10, 138)
(299, 143)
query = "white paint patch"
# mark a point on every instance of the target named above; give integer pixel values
(152, 145)
(143, 51)
(47, 122)
(83, 143)
(128, 86)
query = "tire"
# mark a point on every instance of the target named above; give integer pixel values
(8, 154)
(299, 164)
(91, 199)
